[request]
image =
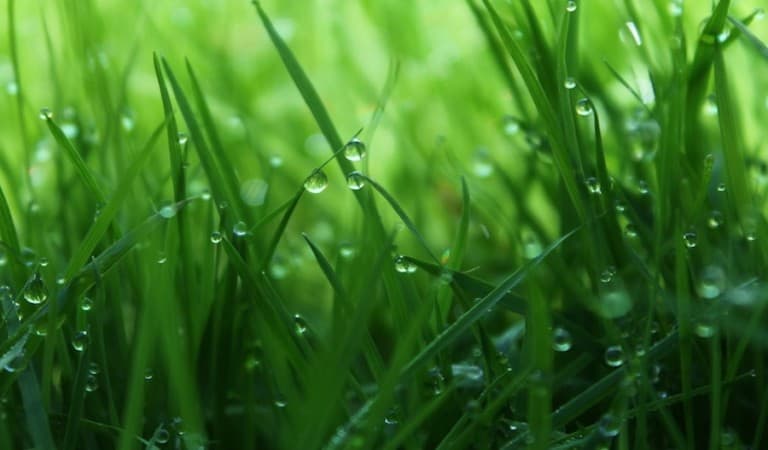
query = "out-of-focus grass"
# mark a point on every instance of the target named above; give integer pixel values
(555, 239)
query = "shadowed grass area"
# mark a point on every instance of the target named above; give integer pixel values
(396, 225)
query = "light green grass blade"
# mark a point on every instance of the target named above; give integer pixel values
(758, 45)
(85, 174)
(10, 239)
(272, 247)
(174, 147)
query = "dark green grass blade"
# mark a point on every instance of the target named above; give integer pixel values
(220, 185)
(470, 286)
(478, 310)
(308, 93)
(110, 210)
(736, 174)
(10, 239)
(460, 242)
(326, 267)
(174, 148)
(74, 156)
(77, 399)
(544, 108)
(402, 215)
(272, 247)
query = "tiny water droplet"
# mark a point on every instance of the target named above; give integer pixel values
(712, 281)
(709, 162)
(570, 82)
(561, 340)
(149, 374)
(642, 187)
(216, 237)
(715, 220)
(162, 436)
(167, 211)
(355, 180)
(404, 265)
(354, 150)
(606, 276)
(316, 183)
(584, 107)
(275, 161)
(281, 403)
(91, 383)
(347, 250)
(630, 231)
(721, 187)
(93, 368)
(43, 262)
(510, 125)
(570, 6)
(609, 425)
(620, 206)
(593, 186)
(36, 292)
(46, 114)
(301, 324)
(80, 341)
(240, 229)
(704, 328)
(162, 258)
(690, 239)
(86, 304)
(614, 356)
(15, 364)
(205, 195)
(183, 139)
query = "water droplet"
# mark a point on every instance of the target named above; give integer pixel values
(80, 341)
(593, 186)
(216, 237)
(86, 304)
(704, 328)
(355, 180)
(149, 374)
(205, 195)
(15, 364)
(183, 139)
(275, 161)
(709, 162)
(716, 219)
(510, 125)
(609, 425)
(620, 206)
(46, 114)
(404, 265)
(162, 436)
(43, 262)
(570, 6)
(690, 239)
(162, 257)
(606, 276)
(642, 187)
(614, 303)
(614, 356)
(354, 150)
(93, 368)
(584, 107)
(531, 247)
(561, 340)
(301, 324)
(712, 281)
(570, 82)
(91, 383)
(167, 211)
(240, 229)
(316, 183)
(721, 187)
(281, 403)
(36, 292)
(347, 250)
(675, 8)
(630, 230)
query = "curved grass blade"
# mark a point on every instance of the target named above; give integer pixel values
(757, 44)
(402, 214)
(10, 239)
(82, 169)
(108, 213)
(281, 229)
(174, 148)
(479, 309)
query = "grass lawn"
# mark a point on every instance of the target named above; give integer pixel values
(386, 224)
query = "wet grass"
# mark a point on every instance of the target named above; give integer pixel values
(385, 225)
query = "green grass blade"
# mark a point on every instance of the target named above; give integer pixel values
(272, 247)
(85, 174)
(478, 310)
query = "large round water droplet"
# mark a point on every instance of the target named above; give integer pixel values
(711, 282)
(609, 425)
(80, 341)
(316, 183)
(162, 436)
(355, 180)
(240, 229)
(570, 6)
(36, 292)
(584, 107)
(354, 150)
(614, 356)
(561, 340)
(404, 265)
(167, 211)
